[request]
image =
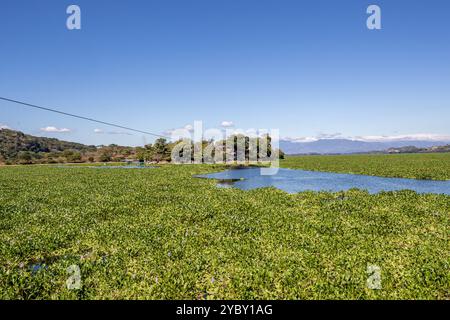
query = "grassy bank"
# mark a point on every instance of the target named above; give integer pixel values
(161, 234)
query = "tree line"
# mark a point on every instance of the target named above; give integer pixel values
(19, 148)
(235, 148)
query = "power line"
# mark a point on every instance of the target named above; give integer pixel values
(81, 117)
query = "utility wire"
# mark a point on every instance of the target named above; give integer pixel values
(81, 117)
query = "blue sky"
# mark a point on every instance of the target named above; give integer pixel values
(307, 68)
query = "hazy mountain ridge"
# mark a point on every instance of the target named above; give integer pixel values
(331, 146)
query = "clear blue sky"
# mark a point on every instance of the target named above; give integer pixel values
(304, 67)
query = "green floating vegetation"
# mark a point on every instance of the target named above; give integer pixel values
(163, 234)
(432, 166)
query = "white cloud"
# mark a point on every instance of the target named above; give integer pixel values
(329, 135)
(319, 136)
(300, 139)
(119, 132)
(55, 129)
(374, 138)
(4, 126)
(405, 137)
(188, 127)
(227, 124)
(100, 131)
(168, 132)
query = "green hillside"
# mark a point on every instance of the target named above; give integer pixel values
(16, 145)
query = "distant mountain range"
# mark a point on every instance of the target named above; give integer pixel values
(345, 146)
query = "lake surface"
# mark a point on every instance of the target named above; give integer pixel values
(293, 181)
